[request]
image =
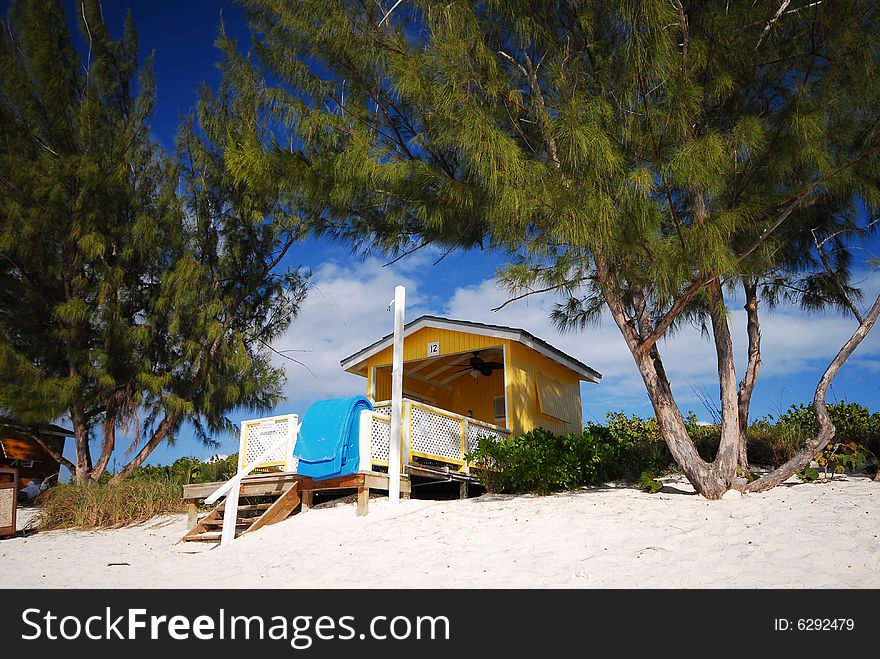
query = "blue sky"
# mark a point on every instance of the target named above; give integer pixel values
(346, 307)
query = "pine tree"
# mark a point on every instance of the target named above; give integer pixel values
(124, 305)
(229, 295)
(645, 157)
(88, 218)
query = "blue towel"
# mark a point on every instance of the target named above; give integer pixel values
(327, 446)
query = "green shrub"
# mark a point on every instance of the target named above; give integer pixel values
(541, 461)
(808, 475)
(185, 471)
(773, 441)
(638, 445)
(109, 505)
(648, 483)
(772, 445)
(853, 423)
(631, 448)
(836, 458)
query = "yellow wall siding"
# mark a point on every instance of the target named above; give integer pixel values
(519, 412)
(527, 365)
(451, 342)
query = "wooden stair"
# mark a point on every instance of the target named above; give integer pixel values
(253, 514)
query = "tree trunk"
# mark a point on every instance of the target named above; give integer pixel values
(81, 443)
(725, 461)
(750, 377)
(158, 436)
(702, 475)
(106, 449)
(826, 429)
(172, 419)
(705, 477)
(64, 462)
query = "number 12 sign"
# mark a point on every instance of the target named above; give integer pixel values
(433, 348)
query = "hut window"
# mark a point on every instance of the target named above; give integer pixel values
(500, 411)
(551, 398)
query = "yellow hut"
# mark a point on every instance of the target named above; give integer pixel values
(488, 379)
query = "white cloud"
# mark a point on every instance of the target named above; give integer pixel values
(345, 310)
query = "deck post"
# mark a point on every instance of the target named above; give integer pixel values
(192, 516)
(363, 501)
(463, 490)
(396, 398)
(307, 497)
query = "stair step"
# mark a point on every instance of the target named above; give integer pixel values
(208, 536)
(254, 506)
(204, 537)
(251, 516)
(242, 521)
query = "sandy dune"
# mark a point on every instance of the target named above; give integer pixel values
(803, 535)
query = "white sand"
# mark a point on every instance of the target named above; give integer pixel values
(805, 535)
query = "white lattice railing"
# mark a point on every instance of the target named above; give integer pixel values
(268, 442)
(429, 432)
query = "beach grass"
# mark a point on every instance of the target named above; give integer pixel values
(109, 505)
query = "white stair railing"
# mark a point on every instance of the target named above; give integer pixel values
(232, 488)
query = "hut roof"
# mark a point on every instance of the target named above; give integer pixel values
(499, 331)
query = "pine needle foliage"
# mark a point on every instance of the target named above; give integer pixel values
(557, 130)
(88, 221)
(646, 155)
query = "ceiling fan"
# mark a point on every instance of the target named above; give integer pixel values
(478, 366)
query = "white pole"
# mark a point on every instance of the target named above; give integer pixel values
(396, 398)
(230, 516)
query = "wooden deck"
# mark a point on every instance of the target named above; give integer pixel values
(277, 483)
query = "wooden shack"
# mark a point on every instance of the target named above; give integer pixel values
(19, 449)
(502, 376)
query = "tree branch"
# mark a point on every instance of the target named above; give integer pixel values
(685, 37)
(826, 428)
(554, 287)
(281, 353)
(55, 454)
(107, 449)
(531, 74)
(849, 303)
(726, 460)
(405, 254)
(753, 367)
(669, 317)
(765, 234)
(23, 272)
(388, 13)
(691, 291)
(772, 21)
